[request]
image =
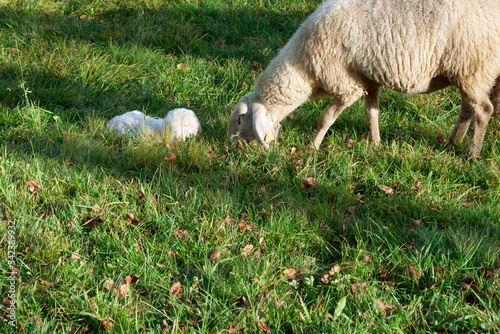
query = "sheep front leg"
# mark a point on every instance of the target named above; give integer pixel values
(482, 114)
(371, 111)
(330, 114)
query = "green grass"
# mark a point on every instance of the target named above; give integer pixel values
(67, 67)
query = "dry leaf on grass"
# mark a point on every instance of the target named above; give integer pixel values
(291, 273)
(351, 209)
(176, 289)
(383, 306)
(107, 324)
(256, 66)
(334, 270)
(236, 330)
(122, 290)
(366, 258)
(132, 220)
(247, 250)
(214, 255)
(246, 226)
(181, 66)
(181, 234)
(108, 284)
(279, 303)
(415, 223)
(357, 286)
(96, 208)
(132, 279)
(350, 143)
(241, 302)
(75, 256)
(440, 138)
(33, 186)
(170, 157)
(307, 183)
(388, 190)
(325, 279)
(413, 272)
(46, 283)
(263, 326)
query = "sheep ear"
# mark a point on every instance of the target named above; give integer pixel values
(234, 120)
(263, 127)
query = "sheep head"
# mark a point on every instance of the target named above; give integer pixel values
(251, 120)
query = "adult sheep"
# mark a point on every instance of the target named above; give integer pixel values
(350, 48)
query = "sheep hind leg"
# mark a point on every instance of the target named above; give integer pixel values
(371, 111)
(330, 115)
(483, 109)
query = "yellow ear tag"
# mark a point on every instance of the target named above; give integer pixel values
(269, 137)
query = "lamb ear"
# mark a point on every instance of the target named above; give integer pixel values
(233, 125)
(263, 127)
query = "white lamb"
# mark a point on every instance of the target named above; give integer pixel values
(181, 123)
(350, 48)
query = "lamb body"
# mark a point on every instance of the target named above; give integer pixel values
(181, 123)
(350, 48)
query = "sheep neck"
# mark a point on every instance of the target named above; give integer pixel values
(283, 87)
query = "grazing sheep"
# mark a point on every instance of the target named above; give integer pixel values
(350, 48)
(181, 123)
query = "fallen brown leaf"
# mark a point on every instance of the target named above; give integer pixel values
(325, 279)
(236, 330)
(440, 138)
(350, 143)
(132, 279)
(366, 258)
(246, 226)
(334, 270)
(307, 183)
(96, 208)
(132, 220)
(415, 223)
(388, 190)
(33, 186)
(108, 284)
(279, 303)
(45, 283)
(357, 286)
(413, 272)
(181, 66)
(108, 325)
(351, 209)
(241, 302)
(292, 273)
(176, 289)
(247, 250)
(383, 306)
(181, 234)
(256, 66)
(214, 255)
(263, 326)
(75, 256)
(122, 290)
(35, 319)
(170, 157)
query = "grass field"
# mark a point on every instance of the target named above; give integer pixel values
(142, 236)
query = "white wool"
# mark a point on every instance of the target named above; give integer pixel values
(350, 48)
(181, 123)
